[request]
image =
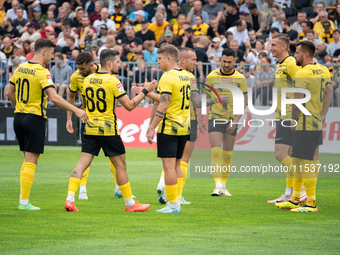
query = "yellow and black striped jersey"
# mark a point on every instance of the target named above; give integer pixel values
(176, 121)
(314, 78)
(217, 77)
(30, 81)
(77, 81)
(101, 91)
(284, 75)
(193, 87)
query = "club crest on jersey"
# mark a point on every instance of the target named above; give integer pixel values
(120, 87)
(279, 68)
(227, 79)
(49, 79)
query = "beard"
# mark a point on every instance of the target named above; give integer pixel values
(298, 62)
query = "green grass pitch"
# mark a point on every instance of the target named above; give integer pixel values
(241, 224)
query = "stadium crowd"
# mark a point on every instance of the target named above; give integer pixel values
(138, 28)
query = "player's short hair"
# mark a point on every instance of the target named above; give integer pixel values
(169, 50)
(84, 58)
(228, 52)
(283, 38)
(307, 46)
(107, 55)
(43, 43)
(184, 50)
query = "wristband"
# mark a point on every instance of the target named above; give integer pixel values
(145, 91)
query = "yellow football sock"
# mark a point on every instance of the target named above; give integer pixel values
(226, 164)
(317, 167)
(126, 191)
(309, 179)
(180, 183)
(297, 181)
(73, 186)
(162, 174)
(184, 167)
(287, 162)
(216, 161)
(113, 170)
(85, 176)
(21, 171)
(27, 177)
(171, 193)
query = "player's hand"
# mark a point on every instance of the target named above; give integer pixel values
(150, 86)
(224, 99)
(150, 134)
(231, 128)
(69, 126)
(201, 127)
(292, 128)
(136, 89)
(82, 115)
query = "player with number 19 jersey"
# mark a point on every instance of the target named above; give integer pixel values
(30, 81)
(101, 91)
(176, 121)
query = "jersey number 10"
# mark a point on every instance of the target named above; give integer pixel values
(21, 88)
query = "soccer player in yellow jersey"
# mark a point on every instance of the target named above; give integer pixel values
(172, 116)
(222, 131)
(308, 131)
(32, 84)
(284, 75)
(101, 93)
(85, 67)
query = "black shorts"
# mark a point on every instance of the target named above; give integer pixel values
(284, 134)
(193, 131)
(220, 127)
(171, 146)
(305, 143)
(30, 132)
(111, 145)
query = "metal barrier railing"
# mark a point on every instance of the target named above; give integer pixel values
(259, 77)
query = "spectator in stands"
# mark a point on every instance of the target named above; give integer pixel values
(328, 3)
(239, 53)
(292, 35)
(265, 81)
(85, 22)
(102, 34)
(104, 14)
(118, 17)
(3, 81)
(273, 17)
(131, 38)
(69, 11)
(228, 38)
(42, 31)
(250, 79)
(252, 55)
(281, 17)
(37, 16)
(306, 26)
(98, 6)
(327, 35)
(252, 38)
(137, 22)
(158, 26)
(214, 10)
(178, 28)
(324, 58)
(332, 47)
(50, 17)
(26, 47)
(70, 46)
(167, 28)
(20, 22)
(30, 55)
(318, 26)
(311, 37)
(145, 34)
(7, 28)
(160, 9)
(138, 7)
(2, 14)
(71, 61)
(66, 28)
(18, 51)
(245, 6)
(58, 23)
(172, 15)
(150, 53)
(215, 30)
(187, 7)
(232, 15)
(337, 16)
(214, 52)
(169, 39)
(258, 19)
(11, 13)
(301, 17)
(195, 11)
(32, 34)
(77, 19)
(200, 28)
(151, 8)
(240, 32)
(244, 16)
(268, 5)
(61, 73)
(186, 39)
(314, 17)
(202, 58)
(110, 43)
